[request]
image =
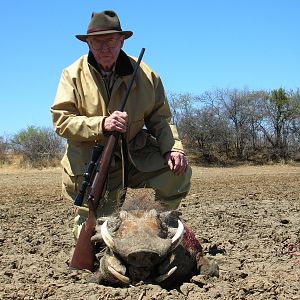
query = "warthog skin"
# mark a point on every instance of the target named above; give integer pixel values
(139, 244)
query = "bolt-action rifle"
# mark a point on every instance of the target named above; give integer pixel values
(96, 176)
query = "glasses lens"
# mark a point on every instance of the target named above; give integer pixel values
(98, 44)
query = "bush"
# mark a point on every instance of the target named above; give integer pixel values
(38, 146)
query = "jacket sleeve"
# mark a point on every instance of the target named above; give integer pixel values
(67, 120)
(159, 122)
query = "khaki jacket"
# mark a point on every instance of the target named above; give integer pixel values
(82, 102)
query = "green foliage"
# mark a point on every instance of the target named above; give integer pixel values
(279, 97)
(39, 146)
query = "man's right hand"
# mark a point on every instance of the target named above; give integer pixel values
(117, 121)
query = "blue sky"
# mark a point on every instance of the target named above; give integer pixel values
(195, 46)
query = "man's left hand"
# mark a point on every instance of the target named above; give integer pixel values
(177, 162)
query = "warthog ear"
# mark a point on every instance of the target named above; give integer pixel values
(170, 218)
(113, 223)
(101, 220)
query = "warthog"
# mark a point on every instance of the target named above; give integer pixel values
(149, 246)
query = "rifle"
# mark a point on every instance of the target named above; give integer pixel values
(84, 253)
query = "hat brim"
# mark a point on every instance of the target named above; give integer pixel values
(83, 37)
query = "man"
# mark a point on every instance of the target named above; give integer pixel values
(86, 110)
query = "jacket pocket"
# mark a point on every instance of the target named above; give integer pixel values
(77, 157)
(134, 131)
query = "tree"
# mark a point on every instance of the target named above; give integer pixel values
(181, 105)
(236, 107)
(281, 113)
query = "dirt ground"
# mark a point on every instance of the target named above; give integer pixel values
(248, 219)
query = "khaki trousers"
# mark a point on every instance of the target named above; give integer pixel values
(169, 189)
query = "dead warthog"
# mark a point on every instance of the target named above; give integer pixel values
(149, 246)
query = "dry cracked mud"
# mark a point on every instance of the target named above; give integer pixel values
(247, 218)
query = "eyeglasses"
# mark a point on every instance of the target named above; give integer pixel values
(99, 44)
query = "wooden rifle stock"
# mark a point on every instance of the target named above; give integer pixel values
(84, 253)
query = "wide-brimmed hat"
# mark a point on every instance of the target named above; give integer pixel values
(105, 22)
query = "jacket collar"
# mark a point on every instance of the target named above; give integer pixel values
(123, 64)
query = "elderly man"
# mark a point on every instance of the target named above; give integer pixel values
(85, 110)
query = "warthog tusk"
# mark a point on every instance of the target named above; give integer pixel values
(165, 276)
(119, 276)
(176, 239)
(107, 238)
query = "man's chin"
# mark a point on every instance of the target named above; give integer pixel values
(105, 61)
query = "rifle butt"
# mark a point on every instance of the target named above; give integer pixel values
(84, 253)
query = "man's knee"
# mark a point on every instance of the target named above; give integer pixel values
(173, 188)
(177, 185)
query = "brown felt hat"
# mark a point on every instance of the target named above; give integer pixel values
(105, 22)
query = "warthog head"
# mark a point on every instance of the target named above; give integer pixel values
(141, 238)
(142, 245)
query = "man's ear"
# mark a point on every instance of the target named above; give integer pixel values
(88, 43)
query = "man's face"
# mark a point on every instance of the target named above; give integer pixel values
(106, 49)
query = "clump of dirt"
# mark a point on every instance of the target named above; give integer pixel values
(247, 218)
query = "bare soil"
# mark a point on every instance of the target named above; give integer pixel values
(248, 219)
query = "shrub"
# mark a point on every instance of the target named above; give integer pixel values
(39, 146)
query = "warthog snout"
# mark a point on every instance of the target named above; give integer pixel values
(143, 258)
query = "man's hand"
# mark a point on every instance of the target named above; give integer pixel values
(117, 121)
(177, 162)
